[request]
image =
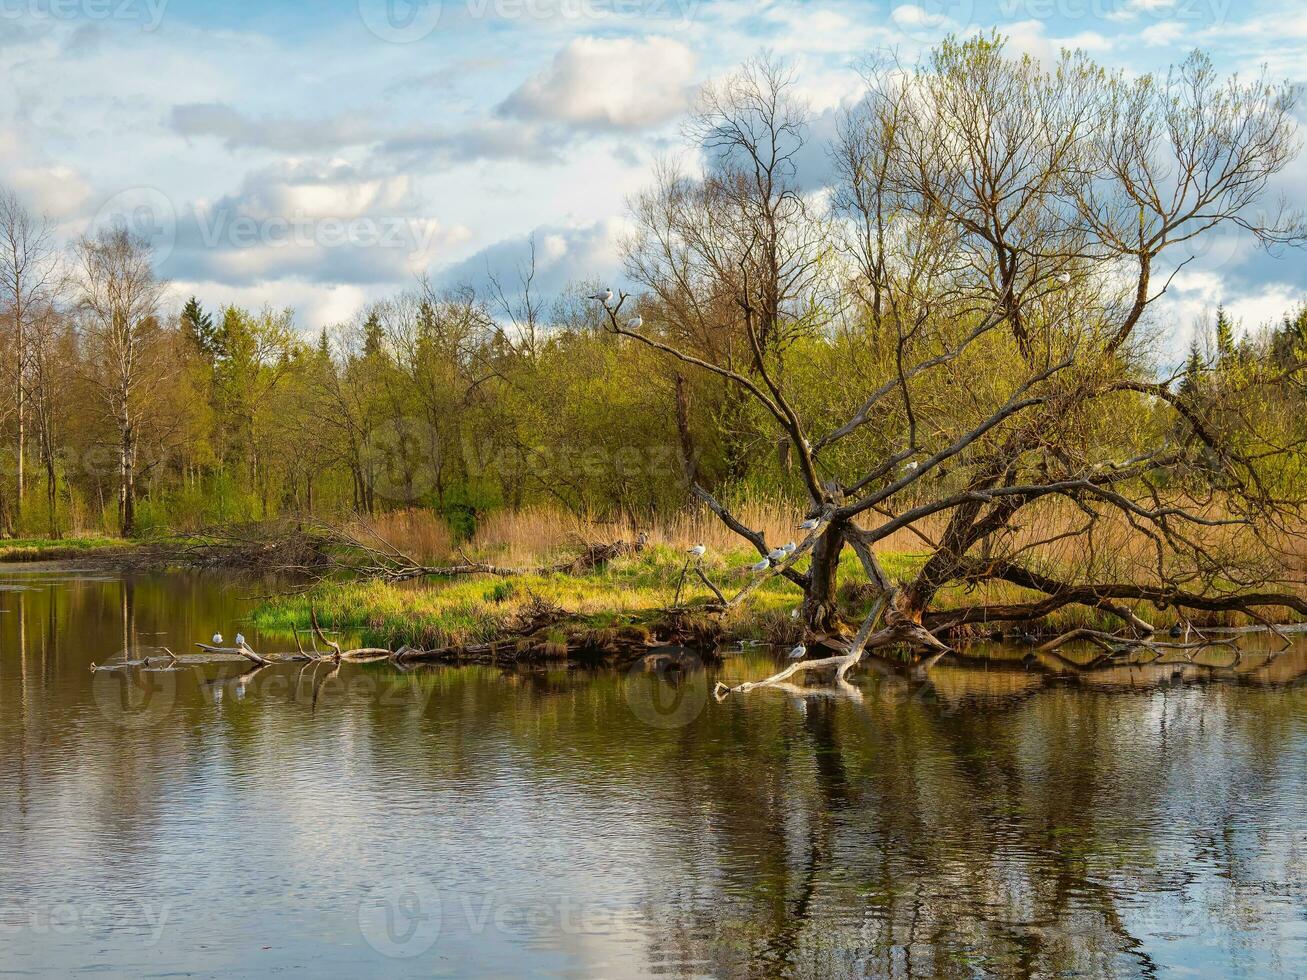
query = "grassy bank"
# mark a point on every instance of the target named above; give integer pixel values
(51, 549)
(628, 590)
(481, 608)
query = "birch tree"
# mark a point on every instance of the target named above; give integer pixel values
(118, 302)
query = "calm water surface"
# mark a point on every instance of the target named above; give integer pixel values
(460, 822)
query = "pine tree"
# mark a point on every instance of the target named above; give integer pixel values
(372, 335)
(199, 327)
(1225, 349)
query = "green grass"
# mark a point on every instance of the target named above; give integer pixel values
(629, 590)
(480, 608)
(50, 549)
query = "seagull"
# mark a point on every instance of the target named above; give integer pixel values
(761, 566)
(240, 640)
(635, 323)
(789, 547)
(810, 523)
(1064, 277)
(604, 296)
(217, 639)
(697, 551)
(798, 652)
(777, 554)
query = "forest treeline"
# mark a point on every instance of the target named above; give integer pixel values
(453, 401)
(125, 409)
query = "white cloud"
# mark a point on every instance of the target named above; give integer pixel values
(57, 190)
(483, 139)
(1030, 37)
(564, 254)
(316, 305)
(315, 220)
(598, 84)
(237, 130)
(1163, 33)
(1191, 300)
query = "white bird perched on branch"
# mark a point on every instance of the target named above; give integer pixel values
(1064, 277)
(810, 523)
(217, 639)
(789, 547)
(697, 551)
(761, 566)
(911, 466)
(777, 554)
(635, 323)
(240, 640)
(604, 296)
(798, 652)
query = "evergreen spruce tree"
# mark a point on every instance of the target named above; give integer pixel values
(372, 335)
(199, 327)
(1225, 349)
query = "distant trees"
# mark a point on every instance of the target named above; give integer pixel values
(28, 272)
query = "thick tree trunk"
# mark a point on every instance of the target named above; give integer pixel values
(820, 608)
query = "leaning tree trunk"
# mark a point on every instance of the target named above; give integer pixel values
(820, 606)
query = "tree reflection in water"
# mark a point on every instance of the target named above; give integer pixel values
(993, 816)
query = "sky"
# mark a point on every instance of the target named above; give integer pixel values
(322, 155)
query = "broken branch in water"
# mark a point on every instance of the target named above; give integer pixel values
(242, 651)
(840, 664)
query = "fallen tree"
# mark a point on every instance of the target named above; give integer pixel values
(996, 246)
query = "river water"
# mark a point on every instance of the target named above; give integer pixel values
(982, 819)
